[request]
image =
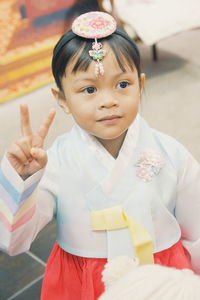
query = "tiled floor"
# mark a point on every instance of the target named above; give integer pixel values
(21, 276)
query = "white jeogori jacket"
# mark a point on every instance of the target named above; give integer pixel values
(154, 180)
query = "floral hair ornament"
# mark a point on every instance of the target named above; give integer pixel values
(95, 25)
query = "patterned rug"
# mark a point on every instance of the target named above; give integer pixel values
(29, 29)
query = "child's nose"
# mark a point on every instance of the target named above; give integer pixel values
(108, 101)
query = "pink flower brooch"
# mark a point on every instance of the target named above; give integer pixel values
(149, 165)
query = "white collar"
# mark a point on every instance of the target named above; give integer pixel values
(103, 155)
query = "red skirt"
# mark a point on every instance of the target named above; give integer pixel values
(70, 277)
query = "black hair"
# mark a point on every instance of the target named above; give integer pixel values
(71, 45)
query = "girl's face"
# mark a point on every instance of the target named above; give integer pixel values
(104, 106)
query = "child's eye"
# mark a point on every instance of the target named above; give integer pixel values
(122, 84)
(89, 90)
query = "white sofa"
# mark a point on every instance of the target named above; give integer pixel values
(154, 20)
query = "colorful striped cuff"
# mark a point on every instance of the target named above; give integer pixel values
(17, 203)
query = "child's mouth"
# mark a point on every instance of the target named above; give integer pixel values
(109, 118)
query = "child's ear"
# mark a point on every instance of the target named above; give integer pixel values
(142, 81)
(60, 97)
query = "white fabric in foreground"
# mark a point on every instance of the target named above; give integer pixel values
(125, 280)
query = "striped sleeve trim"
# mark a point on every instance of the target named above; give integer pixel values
(10, 200)
(18, 185)
(13, 226)
(17, 203)
(13, 190)
(9, 187)
(24, 214)
(23, 209)
(12, 193)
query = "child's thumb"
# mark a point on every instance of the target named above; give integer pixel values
(40, 156)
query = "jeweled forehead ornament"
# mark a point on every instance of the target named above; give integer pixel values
(95, 25)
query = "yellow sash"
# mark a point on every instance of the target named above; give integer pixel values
(115, 218)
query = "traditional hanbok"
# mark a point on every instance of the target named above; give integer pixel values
(149, 196)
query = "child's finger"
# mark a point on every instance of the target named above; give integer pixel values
(44, 128)
(25, 145)
(17, 153)
(25, 120)
(40, 156)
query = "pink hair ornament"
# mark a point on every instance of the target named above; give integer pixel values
(95, 25)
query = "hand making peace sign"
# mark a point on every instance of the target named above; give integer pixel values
(27, 155)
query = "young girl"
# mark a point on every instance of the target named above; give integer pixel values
(114, 185)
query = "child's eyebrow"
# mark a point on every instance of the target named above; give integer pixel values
(93, 79)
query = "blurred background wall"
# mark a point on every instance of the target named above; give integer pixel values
(28, 31)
